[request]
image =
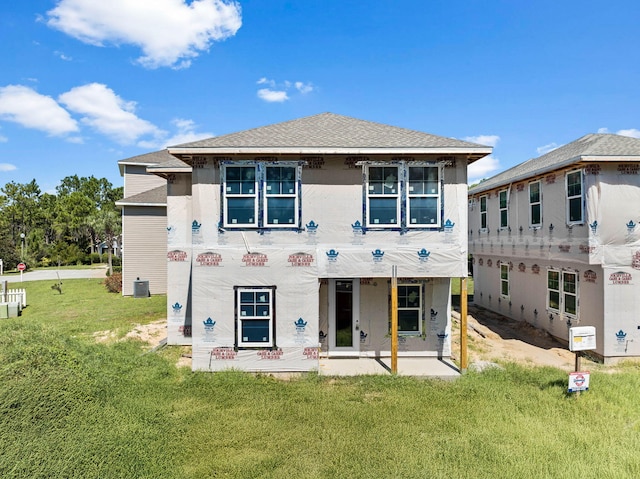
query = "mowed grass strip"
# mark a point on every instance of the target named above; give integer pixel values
(71, 407)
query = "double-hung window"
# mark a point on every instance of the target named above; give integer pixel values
(503, 198)
(259, 195)
(403, 195)
(424, 196)
(483, 212)
(383, 196)
(575, 197)
(410, 309)
(562, 291)
(255, 317)
(504, 280)
(535, 205)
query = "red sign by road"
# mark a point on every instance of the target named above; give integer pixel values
(22, 266)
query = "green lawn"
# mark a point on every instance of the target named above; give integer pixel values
(74, 408)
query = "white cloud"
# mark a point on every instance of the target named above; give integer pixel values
(266, 81)
(483, 168)
(3, 139)
(543, 150)
(185, 134)
(279, 92)
(7, 167)
(488, 140)
(272, 96)
(169, 32)
(632, 132)
(62, 56)
(107, 113)
(603, 130)
(25, 106)
(304, 87)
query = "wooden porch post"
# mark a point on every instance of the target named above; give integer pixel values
(394, 319)
(463, 325)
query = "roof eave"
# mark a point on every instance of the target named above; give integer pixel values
(328, 151)
(556, 166)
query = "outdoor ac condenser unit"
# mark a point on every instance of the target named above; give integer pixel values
(141, 289)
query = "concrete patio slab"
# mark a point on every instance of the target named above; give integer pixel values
(414, 366)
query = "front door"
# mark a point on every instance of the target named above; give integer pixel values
(344, 330)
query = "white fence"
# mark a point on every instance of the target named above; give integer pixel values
(15, 296)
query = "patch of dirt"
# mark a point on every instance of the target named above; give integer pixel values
(493, 337)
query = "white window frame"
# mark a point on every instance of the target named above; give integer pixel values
(532, 204)
(503, 209)
(563, 292)
(291, 194)
(400, 189)
(572, 197)
(260, 194)
(228, 194)
(419, 309)
(244, 342)
(483, 213)
(504, 280)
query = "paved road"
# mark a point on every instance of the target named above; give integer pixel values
(52, 274)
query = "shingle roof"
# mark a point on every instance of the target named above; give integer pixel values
(155, 157)
(328, 130)
(591, 145)
(154, 197)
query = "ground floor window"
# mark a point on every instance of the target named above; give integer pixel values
(410, 309)
(255, 319)
(562, 291)
(504, 280)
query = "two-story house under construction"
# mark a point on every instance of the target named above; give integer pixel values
(282, 241)
(556, 242)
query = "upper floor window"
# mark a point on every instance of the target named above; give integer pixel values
(535, 204)
(259, 195)
(483, 212)
(403, 195)
(503, 198)
(575, 197)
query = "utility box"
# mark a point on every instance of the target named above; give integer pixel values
(141, 289)
(582, 338)
(4, 310)
(13, 309)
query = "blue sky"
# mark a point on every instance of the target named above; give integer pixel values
(84, 83)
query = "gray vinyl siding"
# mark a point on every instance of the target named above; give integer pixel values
(137, 180)
(144, 248)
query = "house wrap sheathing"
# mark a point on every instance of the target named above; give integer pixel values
(281, 242)
(555, 242)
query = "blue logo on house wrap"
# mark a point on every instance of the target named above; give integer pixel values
(195, 227)
(311, 226)
(332, 255)
(378, 255)
(423, 255)
(448, 226)
(630, 226)
(620, 336)
(209, 324)
(594, 227)
(177, 307)
(357, 227)
(300, 324)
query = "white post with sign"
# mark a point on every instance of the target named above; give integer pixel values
(581, 338)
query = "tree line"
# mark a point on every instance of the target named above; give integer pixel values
(71, 226)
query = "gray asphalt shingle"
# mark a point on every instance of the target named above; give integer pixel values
(591, 145)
